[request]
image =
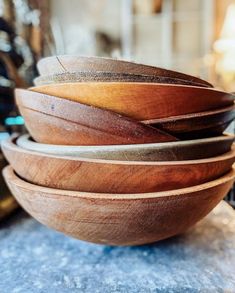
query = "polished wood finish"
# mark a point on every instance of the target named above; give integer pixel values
(142, 101)
(167, 151)
(59, 121)
(68, 63)
(101, 76)
(95, 175)
(203, 124)
(119, 219)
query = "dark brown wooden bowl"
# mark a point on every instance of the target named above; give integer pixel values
(54, 120)
(93, 175)
(101, 76)
(196, 125)
(167, 151)
(141, 101)
(130, 219)
(67, 64)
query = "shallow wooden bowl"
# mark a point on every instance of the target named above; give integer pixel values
(142, 101)
(68, 64)
(196, 125)
(93, 175)
(59, 121)
(101, 76)
(130, 219)
(167, 151)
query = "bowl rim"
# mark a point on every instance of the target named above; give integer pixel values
(12, 178)
(129, 84)
(45, 60)
(181, 143)
(202, 114)
(10, 143)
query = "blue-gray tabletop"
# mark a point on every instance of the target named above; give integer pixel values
(34, 258)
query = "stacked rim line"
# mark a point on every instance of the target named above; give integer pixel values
(120, 153)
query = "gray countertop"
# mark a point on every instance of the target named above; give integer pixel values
(34, 258)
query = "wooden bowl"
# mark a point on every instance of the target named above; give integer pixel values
(167, 151)
(142, 101)
(196, 125)
(68, 64)
(59, 121)
(93, 175)
(130, 219)
(101, 76)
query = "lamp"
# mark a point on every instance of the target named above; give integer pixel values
(224, 47)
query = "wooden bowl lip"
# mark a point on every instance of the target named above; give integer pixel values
(12, 178)
(85, 73)
(203, 114)
(223, 138)
(184, 75)
(10, 144)
(128, 85)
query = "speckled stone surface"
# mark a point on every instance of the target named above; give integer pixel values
(34, 258)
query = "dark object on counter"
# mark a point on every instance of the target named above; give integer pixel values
(6, 103)
(7, 202)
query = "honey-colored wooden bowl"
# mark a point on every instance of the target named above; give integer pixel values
(68, 64)
(167, 151)
(59, 121)
(130, 219)
(142, 101)
(196, 125)
(93, 175)
(101, 76)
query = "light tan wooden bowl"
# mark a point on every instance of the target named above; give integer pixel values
(93, 175)
(130, 219)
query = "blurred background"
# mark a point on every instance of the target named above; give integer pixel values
(193, 36)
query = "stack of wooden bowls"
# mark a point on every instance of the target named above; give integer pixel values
(120, 153)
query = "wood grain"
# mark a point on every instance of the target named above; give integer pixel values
(59, 121)
(119, 219)
(142, 101)
(167, 151)
(69, 63)
(202, 124)
(101, 76)
(92, 175)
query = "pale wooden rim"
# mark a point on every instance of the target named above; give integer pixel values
(12, 178)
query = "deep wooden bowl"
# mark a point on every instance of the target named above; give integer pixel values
(59, 121)
(93, 175)
(130, 219)
(67, 64)
(196, 125)
(101, 76)
(142, 101)
(167, 151)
